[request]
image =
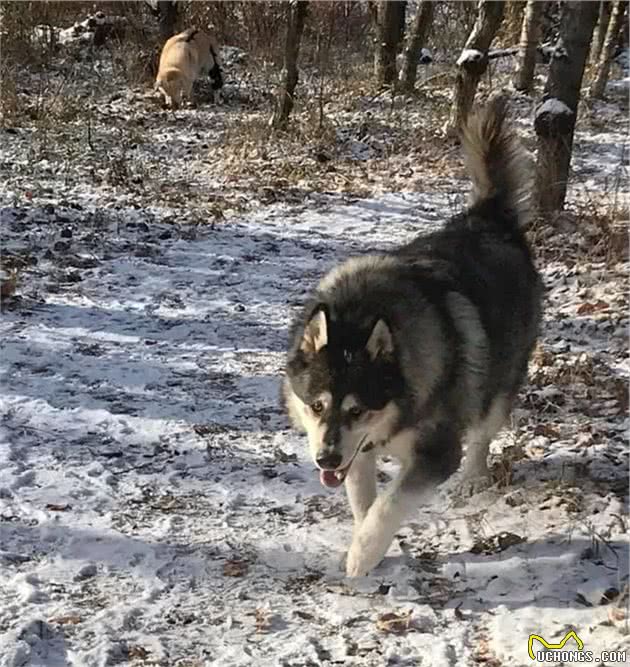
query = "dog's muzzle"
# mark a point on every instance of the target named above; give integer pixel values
(333, 478)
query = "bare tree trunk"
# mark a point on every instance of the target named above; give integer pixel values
(530, 36)
(608, 51)
(556, 116)
(417, 38)
(387, 35)
(402, 17)
(295, 27)
(473, 61)
(605, 10)
(167, 17)
(372, 6)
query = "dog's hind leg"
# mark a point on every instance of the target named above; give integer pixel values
(361, 485)
(476, 473)
(187, 92)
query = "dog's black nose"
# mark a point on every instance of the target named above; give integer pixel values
(329, 461)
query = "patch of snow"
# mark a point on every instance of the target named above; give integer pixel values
(555, 107)
(502, 53)
(619, 85)
(623, 59)
(469, 56)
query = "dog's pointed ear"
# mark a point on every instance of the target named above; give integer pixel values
(380, 343)
(315, 333)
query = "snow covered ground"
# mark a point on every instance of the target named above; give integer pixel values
(155, 509)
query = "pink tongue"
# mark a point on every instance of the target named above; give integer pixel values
(328, 478)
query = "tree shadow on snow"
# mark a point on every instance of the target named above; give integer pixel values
(547, 572)
(544, 573)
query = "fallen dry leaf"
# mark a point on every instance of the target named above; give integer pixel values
(262, 620)
(542, 356)
(484, 655)
(69, 619)
(54, 507)
(588, 308)
(394, 623)
(547, 430)
(496, 543)
(8, 285)
(137, 653)
(235, 568)
(534, 452)
(616, 614)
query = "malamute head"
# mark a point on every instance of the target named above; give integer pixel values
(341, 386)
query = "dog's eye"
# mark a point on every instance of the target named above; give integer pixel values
(355, 411)
(317, 407)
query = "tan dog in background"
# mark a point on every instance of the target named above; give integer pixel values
(184, 58)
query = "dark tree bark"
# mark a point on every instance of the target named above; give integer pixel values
(603, 20)
(417, 39)
(387, 38)
(402, 17)
(555, 118)
(372, 6)
(167, 17)
(474, 60)
(530, 36)
(598, 85)
(295, 27)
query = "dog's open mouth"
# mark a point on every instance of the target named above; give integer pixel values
(333, 478)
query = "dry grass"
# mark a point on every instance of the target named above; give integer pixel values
(589, 231)
(341, 28)
(334, 114)
(338, 105)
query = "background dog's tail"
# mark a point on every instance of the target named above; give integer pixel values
(497, 163)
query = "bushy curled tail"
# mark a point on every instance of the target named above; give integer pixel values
(497, 163)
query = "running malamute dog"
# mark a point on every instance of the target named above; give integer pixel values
(411, 353)
(184, 58)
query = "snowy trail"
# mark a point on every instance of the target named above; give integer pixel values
(155, 508)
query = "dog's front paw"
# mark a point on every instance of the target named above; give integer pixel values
(363, 556)
(355, 562)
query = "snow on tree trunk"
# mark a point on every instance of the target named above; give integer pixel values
(555, 118)
(473, 61)
(603, 21)
(388, 35)
(608, 50)
(530, 36)
(167, 17)
(295, 27)
(417, 39)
